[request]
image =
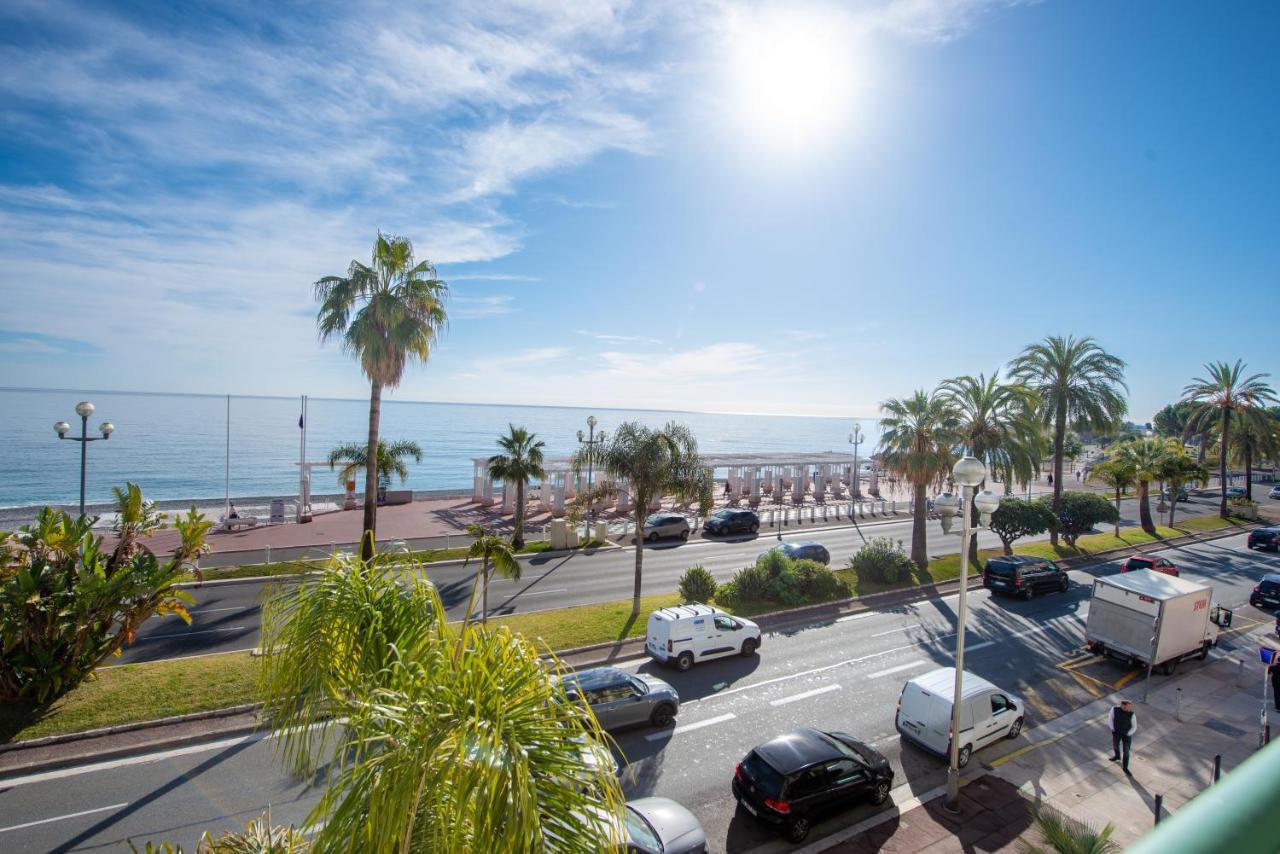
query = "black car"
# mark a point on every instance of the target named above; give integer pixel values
(1267, 592)
(1184, 494)
(731, 521)
(797, 778)
(1023, 575)
(1265, 538)
(804, 551)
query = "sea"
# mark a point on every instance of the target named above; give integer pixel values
(175, 445)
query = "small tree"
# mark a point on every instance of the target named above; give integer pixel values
(1081, 512)
(697, 585)
(1118, 475)
(1018, 517)
(494, 551)
(520, 462)
(1072, 447)
(882, 559)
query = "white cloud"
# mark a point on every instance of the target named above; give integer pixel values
(933, 20)
(712, 362)
(618, 339)
(475, 308)
(30, 347)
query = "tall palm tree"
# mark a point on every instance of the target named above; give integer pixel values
(1225, 392)
(386, 313)
(997, 425)
(1148, 458)
(520, 463)
(433, 737)
(918, 438)
(1254, 438)
(1079, 383)
(494, 551)
(1118, 475)
(647, 464)
(390, 461)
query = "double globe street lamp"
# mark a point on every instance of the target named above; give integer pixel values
(592, 441)
(84, 409)
(968, 474)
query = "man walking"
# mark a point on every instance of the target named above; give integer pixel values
(1275, 678)
(1124, 723)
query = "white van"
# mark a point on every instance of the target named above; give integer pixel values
(689, 633)
(987, 713)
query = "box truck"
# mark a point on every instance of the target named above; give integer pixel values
(1153, 619)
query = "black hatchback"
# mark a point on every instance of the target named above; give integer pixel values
(1265, 538)
(797, 778)
(1023, 575)
(732, 522)
(1266, 594)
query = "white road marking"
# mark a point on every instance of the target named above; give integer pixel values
(898, 669)
(852, 617)
(978, 646)
(544, 592)
(188, 634)
(892, 631)
(719, 719)
(810, 672)
(804, 695)
(213, 610)
(62, 817)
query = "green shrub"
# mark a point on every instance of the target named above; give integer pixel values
(775, 578)
(881, 559)
(697, 585)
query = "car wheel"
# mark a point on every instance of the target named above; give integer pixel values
(798, 830)
(1027, 594)
(1204, 651)
(1016, 729)
(880, 794)
(754, 527)
(653, 537)
(663, 716)
(684, 661)
(1065, 585)
(749, 647)
(1169, 667)
(963, 759)
(684, 535)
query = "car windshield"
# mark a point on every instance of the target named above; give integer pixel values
(655, 520)
(1141, 561)
(1269, 586)
(762, 774)
(722, 514)
(640, 833)
(786, 549)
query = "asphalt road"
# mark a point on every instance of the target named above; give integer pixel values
(842, 675)
(226, 617)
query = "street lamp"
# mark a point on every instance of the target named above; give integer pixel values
(855, 439)
(591, 442)
(968, 474)
(84, 409)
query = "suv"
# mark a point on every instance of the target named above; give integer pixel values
(1023, 575)
(1155, 564)
(1267, 592)
(1265, 538)
(732, 522)
(619, 699)
(798, 777)
(666, 525)
(803, 551)
(1184, 494)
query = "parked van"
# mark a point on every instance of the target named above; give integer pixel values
(689, 633)
(987, 713)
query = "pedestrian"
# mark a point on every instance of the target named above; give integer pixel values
(1275, 678)
(1051, 478)
(1124, 723)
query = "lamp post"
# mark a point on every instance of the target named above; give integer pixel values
(84, 409)
(968, 474)
(855, 439)
(591, 442)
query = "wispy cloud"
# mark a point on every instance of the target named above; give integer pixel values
(491, 277)
(21, 343)
(475, 308)
(618, 339)
(932, 20)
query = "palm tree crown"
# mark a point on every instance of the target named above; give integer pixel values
(918, 440)
(391, 459)
(1147, 459)
(1223, 394)
(998, 423)
(520, 462)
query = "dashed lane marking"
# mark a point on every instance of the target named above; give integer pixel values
(898, 669)
(663, 734)
(804, 695)
(62, 817)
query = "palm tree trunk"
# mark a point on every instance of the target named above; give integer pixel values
(371, 473)
(1200, 452)
(517, 535)
(1222, 462)
(1175, 488)
(1059, 437)
(1119, 491)
(974, 518)
(1144, 507)
(919, 535)
(1248, 470)
(642, 508)
(484, 596)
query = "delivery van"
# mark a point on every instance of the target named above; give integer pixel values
(987, 713)
(690, 633)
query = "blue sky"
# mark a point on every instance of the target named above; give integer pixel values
(755, 207)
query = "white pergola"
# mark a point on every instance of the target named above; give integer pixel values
(748, 477)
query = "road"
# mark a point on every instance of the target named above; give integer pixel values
(227, 614)
(842, 675)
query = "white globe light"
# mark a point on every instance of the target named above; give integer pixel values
(107, 428)
(986, 501)
(62, 427)
(947, 504)
(84, 409)
(969, 472)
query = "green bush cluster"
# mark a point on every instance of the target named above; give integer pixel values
(776, 578)
(697, 585)
(881, 559)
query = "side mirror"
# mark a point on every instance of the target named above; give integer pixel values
(1013, 706)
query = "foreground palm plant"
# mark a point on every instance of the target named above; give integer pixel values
(1065, 835)
(434, 737)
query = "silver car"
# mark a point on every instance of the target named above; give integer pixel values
(620, 699)
(662, 826)
(663, 525)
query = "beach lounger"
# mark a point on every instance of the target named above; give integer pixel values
(239, 522)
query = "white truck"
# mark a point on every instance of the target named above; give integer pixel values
(1153, 619)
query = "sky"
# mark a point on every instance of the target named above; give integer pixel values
(795, 207)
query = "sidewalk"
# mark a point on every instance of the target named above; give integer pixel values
(1185, 720)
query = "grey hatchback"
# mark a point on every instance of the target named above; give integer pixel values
(620, 699)
(666, 525)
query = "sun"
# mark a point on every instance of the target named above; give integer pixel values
(791, 74)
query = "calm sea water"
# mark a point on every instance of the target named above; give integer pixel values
(173, 445)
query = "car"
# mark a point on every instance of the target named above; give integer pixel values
(1266, 592)
(987, 713)
(803, 551)
(797, 778)
(620, 699)
(650, 826)
(1184, 494)
(1235, 492)
(732, 521)
(662, 525)
(686, 634)
(1264, 538)
(1155, 564)
(1024, 575)
(1275, 492)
